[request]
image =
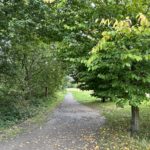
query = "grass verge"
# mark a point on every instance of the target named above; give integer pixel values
(41, 112)
(115, 135)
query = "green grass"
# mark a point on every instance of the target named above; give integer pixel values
(83, 96)
(115, 135)
(38, 114)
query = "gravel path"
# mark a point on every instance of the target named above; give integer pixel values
(71, 127)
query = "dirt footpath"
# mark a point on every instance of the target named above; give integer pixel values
(72, 126)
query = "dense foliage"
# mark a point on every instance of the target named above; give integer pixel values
(84, 26)
(29, 67)
(121, 60)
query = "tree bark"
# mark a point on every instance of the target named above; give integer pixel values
(134, 120)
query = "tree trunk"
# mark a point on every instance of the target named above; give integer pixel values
(46, 91)
(103, 99)
(134, 120)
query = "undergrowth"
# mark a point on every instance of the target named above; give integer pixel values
(15, 113)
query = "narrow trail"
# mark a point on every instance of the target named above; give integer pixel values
(72, 126)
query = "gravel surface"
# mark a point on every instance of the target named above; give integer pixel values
(72, 126)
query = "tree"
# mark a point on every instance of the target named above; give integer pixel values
(121, 60)
(28, 62)
(83, 29)
(29, 66)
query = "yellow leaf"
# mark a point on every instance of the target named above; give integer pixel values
(48, 1)
(97, 148)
